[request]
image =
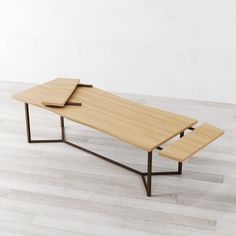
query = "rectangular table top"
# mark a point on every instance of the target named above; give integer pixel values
(140, 125)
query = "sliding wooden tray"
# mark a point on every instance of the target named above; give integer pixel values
(142, 126)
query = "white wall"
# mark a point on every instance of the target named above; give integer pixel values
(174, 48)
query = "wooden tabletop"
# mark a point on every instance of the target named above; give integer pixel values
(137, 124)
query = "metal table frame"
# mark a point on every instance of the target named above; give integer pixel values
(146, 176)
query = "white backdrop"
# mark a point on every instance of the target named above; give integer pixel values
(173, 48)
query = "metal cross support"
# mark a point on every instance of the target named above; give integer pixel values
(146, 176)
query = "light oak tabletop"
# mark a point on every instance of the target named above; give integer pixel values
(142, 126)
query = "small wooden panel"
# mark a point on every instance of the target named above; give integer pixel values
(59, 91)
(142, 126)
(191, 143)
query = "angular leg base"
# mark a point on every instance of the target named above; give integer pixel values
(146, 181)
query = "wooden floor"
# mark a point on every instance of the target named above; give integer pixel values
(53, 189)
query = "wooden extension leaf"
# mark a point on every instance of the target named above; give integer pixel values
(59, 91)
(191, 143)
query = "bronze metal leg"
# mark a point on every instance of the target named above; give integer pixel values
(27, 119)
(149, 174)
(180, 164)
(62, 128)
(28, 130)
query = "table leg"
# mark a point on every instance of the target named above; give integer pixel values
(149, 174)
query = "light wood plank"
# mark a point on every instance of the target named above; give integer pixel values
(59, 91)
(191, 143)
(34, 230)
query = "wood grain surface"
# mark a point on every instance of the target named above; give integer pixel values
(142, 126)
(58, 91)
(185, 147)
